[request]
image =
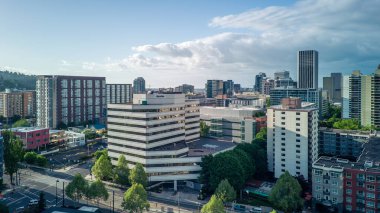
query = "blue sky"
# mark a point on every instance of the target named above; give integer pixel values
(175, 42)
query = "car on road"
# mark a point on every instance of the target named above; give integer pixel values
(256, 210)
(239, 208)
(20, 209)
(33, 202)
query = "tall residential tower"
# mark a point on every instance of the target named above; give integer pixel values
(307, 69)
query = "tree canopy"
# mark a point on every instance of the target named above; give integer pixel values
(21, 123)
(121, 171)
(204, 128)
(135, 199)
(215, 205)
(285, 194)
(102, 168)
(225, 191)
(349, 124)
(77, 188)
(138, 176)
(13, 152)
(97, 190)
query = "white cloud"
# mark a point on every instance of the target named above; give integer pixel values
(345, 32)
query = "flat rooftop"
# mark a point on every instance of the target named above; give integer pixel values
(305, 106)
(26, 129)
(369, 159)
(345, 131)
(208, 146)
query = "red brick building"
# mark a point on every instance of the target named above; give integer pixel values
(32, 137)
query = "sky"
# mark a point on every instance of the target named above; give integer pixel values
(188, 41)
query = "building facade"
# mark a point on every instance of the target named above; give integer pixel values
(32, 137)
(185, 88)
(342, 143)
(267, 85)
(228, 88)
(154, 130)
(119, 93)
(292, 139)
(214, 88)
(1, 157)
(70, 100)
(258, 81)
(306, 95)
(307, 69)
(333, 84)
(237, 125)
(139, 86)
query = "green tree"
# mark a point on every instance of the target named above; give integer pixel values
(99, 153)
(350, 124)
(41, 202)
(97, 190)
(135, 199)
(77, 188)
(225, 191)
(226, 166)
(102, 168)
(262, 134)
(30, 157)
(285, 194)
(258, 155)
(121, 172)
(204, 176)
(21, 123)
(204, 128)
(89, 134)
(215, 205)
(41, 160)
(138, 175)
(13, 153)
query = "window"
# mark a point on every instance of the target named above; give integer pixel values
(282, 144)
(371, 187)
(297, 162)
(348, 191)
(283, 165)
(283, 113)
(283, 133)
(282, 139)
(360, 176)
(318, 188)
(283, 160)
(318, 180)
(370, 195)
(298, 113)
(334, 183)
(318, 172)
(282, 123)
(348, 183)
(298, 140)
(298, 157)
(348, 199)
(334, 200)
(370, 204)
(298, 135)
(348, 175)
(348, 207)
(370, 178)
(297, 151)
(334, 174)
(334, 191)
(298, 124)
(297, 167)
(283, 154)
(298, 130)
(298, 146)
(298, 119)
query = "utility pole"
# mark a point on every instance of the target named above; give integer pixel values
(63, 194)
(113, 201)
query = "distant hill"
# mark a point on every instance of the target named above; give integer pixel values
(16, 80)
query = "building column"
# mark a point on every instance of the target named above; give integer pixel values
(175, 185)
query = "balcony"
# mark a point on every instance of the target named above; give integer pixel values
(326, 177)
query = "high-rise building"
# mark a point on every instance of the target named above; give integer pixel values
(307, 69)
(21, 103)
(29, 103)
(139, 85)
(281, 75)
(228, 88)
(266, 86)
(214, 88)
(70, 100)
(333, 85)
(352, 95)
(258, 80)
(1, 157)
(306, 95)
(292, 141)
(156, 130)
(185, 88)
(237, 88)
(119, 93)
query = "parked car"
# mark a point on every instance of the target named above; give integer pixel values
(33, 202)
(256, 210)
(239, 208)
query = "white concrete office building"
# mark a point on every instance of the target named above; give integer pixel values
(160, 131)
(292, 141)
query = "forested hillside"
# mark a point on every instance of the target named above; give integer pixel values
(15, 80)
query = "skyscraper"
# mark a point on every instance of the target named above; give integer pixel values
(333, 85)
(119, 93)
(307, 69)
(214, 88)
(258, 81)
(228, 88)
(70, 100)
(139, 85)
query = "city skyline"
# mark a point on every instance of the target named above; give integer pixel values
(233, 41)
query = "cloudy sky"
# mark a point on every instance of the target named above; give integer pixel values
(172, 42)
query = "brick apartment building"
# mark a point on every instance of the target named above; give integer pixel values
(21, 103)
(350, 186)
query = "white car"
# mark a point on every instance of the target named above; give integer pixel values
(33, 202)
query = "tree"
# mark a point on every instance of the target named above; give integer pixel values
(245, 161)
(285, 194)
(258, 155)
(13, 153)
(21, 123)
(204, 128)
(41, 160)
(99, 153)
(97, 190)
(204, 176)
(90, 134)
(215, 205)
(77, 188)
(41, 202)
(135, 199)
(30, 157)
(225, 191)
(138, 175)
(262, 134)
(121, 172)
(226, 166)
(350, 124)
(102, 168)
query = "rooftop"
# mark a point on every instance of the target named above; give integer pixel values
(345, 131)
(305, 106)
(27, 129)
(207, 146)
(369, 160)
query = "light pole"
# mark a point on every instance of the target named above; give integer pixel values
(179, 209)
(56, 192)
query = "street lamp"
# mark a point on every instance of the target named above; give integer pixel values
(56, 192)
